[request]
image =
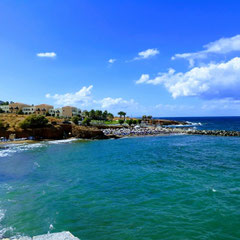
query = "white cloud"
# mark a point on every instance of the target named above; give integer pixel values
(214, 81)
(82, 97)
(173, 107)
(221, 46)
(47, 54)
(222, 104)
(147, 53)
(112, 60)
(109, 102)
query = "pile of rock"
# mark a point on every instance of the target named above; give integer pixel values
(160, 131)
(133, 131)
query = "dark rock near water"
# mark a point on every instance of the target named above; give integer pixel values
(87, 132)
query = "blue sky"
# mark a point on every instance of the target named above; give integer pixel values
(164, 58)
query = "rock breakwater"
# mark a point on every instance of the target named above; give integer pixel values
(162, 131)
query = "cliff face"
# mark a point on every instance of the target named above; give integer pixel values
(57, 132)
(51, 132)
(87, 132)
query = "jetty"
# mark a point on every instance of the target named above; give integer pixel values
(152, 131)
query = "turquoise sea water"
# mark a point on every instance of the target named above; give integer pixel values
(167, 187)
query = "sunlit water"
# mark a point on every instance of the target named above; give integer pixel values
(167, 187)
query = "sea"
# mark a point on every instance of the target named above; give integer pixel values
(143, 188)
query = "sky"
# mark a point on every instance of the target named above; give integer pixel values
(161, 58)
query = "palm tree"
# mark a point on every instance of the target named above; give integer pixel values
(121, 113)
(124, 115)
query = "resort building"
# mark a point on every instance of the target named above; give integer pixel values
(5, 108)
(55, 112)
(42, 109)
(16, 107)
(29, 110)
(70, 111)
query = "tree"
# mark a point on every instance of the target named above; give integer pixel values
(139, 121)
(129, 122)
(121, 113)
(124, 115)
(76, 119)
(20, 112)
(1, 111)
(98, 115)
(85, 113)
(34, 121)
(86, 121)
(110, 116)
(92, 114)
(120, 121)
(134, 122)
(4, 103)
(105, 115)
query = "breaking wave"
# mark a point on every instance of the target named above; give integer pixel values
(10, 149)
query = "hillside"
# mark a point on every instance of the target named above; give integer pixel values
(13, 120)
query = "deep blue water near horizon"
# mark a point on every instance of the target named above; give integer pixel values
(166, 187)
(230, 123)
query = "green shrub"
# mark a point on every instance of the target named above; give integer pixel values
(20, 112)
(34, 121)
(86, 121)
(121, 121)
(75, 119)
(129, 122)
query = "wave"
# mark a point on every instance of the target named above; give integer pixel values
(3, 230)
(63, 141)
(194, 123)
(10, 149)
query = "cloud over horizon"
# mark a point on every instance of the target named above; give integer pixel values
(82, 97)
(214, 81)
(109, 102)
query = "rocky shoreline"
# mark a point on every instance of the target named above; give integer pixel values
(164, 131)
(66, 131)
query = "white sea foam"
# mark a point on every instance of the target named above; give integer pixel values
(10, 149)
(63, 141)
(194, 123)
(14, 148)
(2, 214)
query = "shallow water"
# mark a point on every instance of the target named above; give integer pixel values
(166, 187)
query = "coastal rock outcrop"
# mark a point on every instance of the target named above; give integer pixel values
(87, 132)
(50, 132)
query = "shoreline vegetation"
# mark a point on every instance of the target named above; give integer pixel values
(17, 128)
